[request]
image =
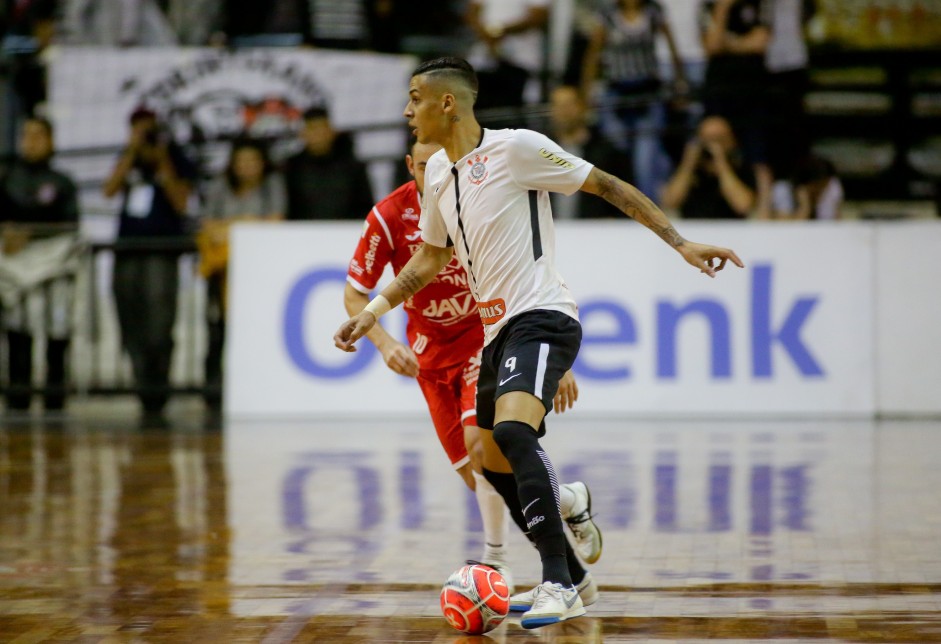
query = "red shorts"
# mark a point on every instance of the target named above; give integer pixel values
(451, 395)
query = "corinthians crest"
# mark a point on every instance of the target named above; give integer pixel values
(478, 171)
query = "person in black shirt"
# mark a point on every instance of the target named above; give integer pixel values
(736, 35)
(325, 180)
(154, 179)
(569, 128)
(713, 181)
(36, 201)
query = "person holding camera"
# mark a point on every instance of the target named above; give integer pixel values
(154, 179)
(713, 181)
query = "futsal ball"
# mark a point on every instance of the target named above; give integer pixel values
(475, 599)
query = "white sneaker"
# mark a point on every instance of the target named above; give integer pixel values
(586, 533)
(587, 590)
(552, 603)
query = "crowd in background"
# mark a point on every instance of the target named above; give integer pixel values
(731, 145)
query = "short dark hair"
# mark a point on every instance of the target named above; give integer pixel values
(452, 67)
(316, 112)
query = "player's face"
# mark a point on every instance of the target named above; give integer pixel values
(418, 160)
(424, 111)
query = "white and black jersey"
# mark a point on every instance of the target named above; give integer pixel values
(493, 206)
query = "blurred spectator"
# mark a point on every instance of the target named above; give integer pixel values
(154, 179)
(735, 37)
(249, 18)
(36, 20)
(569, 121)
(325, 180)
(37, 203)
(712, 181)
(815, 192)
(786, 60)
(330, 24)
(623, 49)
(195, 22)
(340, 24)
(509, 54)
(123, 23)
(249, 190)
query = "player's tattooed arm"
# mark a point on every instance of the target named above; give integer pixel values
(633, 203)
(408, 282)
(420, 270)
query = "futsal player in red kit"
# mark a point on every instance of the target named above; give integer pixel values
(445, 337)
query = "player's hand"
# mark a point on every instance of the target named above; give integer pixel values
(352, 330)
(567, 394)
(704, 257)
(400, 358)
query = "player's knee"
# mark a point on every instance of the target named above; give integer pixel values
(513, 437)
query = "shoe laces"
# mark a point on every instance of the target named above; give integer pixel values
(544, 593)
(577, 520)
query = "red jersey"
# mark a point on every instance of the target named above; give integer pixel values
(443, 324)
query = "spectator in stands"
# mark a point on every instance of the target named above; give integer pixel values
(509, 54)
(570, 129)
(786, 60)
(735, 35)
(325, 180)
(154, 179)
(123, 23)
(37, 202)
(622, 50)
(249, 190)
(815, 192)
(195, 22)
(329, 24)
(37, 21)
(712, 181)
(250, 18)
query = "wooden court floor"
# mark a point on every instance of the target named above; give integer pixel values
(342, 532)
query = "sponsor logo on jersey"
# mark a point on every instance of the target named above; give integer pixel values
(555, 158)
(371, 253)
(478, 169)
(415, 235)
(410, 214)
(472, 369)
(450, 309)
(492, 311)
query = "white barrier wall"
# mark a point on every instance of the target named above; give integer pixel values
(793, 333)
(908, 318)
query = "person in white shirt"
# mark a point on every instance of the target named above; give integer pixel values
(486, 200)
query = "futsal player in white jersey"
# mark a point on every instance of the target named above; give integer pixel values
(486, 200)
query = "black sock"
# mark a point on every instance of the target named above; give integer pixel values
(505, 485)
(538, 492)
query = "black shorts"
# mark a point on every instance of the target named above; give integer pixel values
(531, 353)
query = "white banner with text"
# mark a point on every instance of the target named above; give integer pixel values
(793, 333)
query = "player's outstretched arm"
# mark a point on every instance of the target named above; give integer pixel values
(637, 206)
(398, 356)
(424, 265)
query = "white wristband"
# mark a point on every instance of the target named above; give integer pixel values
(379, 306)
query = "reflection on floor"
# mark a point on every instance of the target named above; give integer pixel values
(344, 531)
